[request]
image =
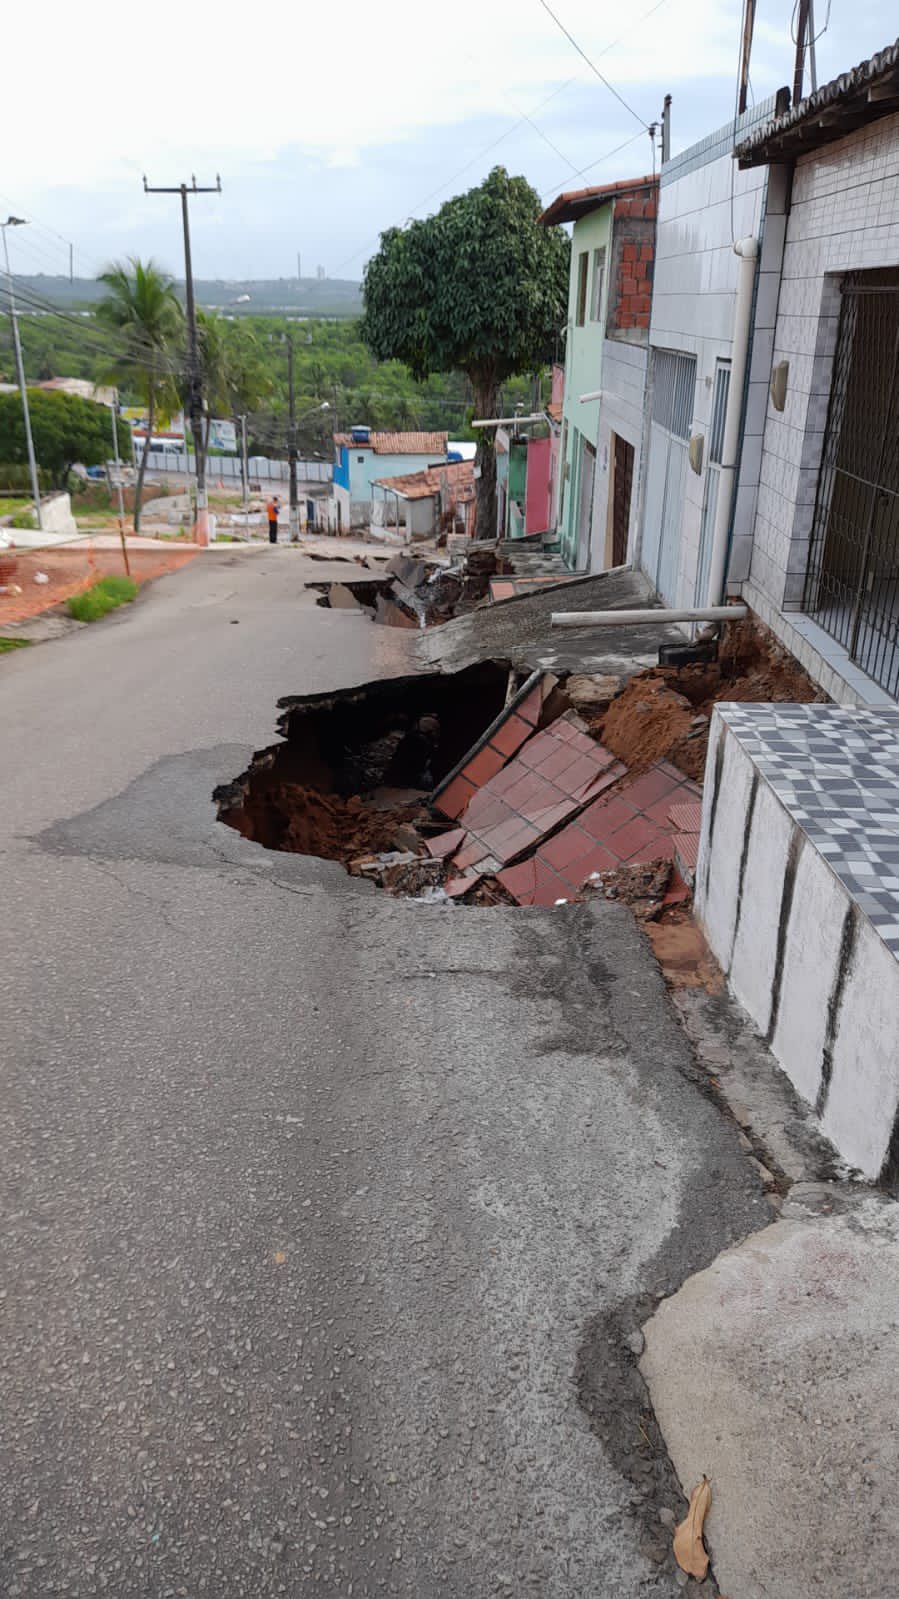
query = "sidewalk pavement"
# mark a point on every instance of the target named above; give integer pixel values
(774, 1373)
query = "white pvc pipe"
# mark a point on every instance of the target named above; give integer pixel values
(747, 250)
(647, 618)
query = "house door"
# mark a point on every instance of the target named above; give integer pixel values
(622, 482)
(674, 384)
(586, 480)
(852, 586)
(713, 473)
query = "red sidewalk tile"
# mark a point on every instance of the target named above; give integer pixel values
(453, 800)
(687, 818)
(445, 843)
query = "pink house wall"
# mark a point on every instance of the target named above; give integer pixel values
(537, 504)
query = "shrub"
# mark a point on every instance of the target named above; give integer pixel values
(102, 597)
(24, 518)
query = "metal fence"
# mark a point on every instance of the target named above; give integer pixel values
(227, 467)
(852, 583)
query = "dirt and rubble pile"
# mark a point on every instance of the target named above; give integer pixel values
(664, 713)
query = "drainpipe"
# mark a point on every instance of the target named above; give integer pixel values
(747, 250)
(647, 616)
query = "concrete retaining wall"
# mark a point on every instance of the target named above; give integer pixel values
(800, 955)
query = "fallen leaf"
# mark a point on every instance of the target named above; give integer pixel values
(280, 1257)
(689, 1549)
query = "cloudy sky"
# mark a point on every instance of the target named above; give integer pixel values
(327, 128)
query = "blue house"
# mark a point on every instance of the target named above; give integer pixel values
(362, 455)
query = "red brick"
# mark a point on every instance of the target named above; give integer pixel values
(641, 319)
(510, 737)
(628, 286)
(654, 785)
(520, 881)
(440, 847)
(483, 766)
(453, 800)
(629, 252)
(624, 208)
(604, 816)
(647, 252)
(595, 859)
(567, 846)
(642, 303)
(531, 706)
(660, 848)
(639, 836)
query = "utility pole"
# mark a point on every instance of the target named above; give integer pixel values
(293, 514)
(71, 263)
(19, 222)
(299, 267)
(118, 474)
(745, 53)
(666, 128)
(194, 376)
(802, 10)
(244, 464)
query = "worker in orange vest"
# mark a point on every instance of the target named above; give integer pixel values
(271, 512)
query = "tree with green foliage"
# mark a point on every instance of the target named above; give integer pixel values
(232, 374)
(143, 308)
(65, 429)
(481, 288)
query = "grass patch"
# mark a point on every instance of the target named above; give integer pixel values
(7, 644)
(7, 507)
(101, 598)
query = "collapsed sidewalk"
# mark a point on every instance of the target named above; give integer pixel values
(766, 1370)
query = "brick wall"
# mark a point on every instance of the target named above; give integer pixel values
(632, 265)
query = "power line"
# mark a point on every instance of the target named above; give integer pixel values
(598, 162)
(592, 65)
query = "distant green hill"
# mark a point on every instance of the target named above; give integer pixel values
(314, 297)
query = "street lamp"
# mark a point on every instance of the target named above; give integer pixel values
(19, 222)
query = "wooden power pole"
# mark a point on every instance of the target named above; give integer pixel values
(194, 375)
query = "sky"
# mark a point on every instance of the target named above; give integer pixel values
(328, 128)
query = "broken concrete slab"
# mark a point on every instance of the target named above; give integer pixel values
(774, 1372)
(592, 691)
(340, 598)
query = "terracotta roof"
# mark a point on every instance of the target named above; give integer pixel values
(398, 443)
(579, 203)
(455, 475)
(554, 410)
(868, 91)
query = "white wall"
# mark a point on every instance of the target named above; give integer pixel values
(705, 204)
(844, 216)
(831, 1022)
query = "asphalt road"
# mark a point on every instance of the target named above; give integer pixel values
(325, 1216)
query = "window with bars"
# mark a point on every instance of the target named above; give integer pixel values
(674, 384)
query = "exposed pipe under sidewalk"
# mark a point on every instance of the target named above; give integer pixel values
(646, 618)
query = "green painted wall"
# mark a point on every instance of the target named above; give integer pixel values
(583, 367)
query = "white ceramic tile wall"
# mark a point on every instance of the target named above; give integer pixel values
(701, 212)
(844, 216)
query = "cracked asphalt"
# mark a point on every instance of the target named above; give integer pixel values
(326, 1217)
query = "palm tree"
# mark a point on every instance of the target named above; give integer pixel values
(143, 308)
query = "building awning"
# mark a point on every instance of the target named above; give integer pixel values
(856, 98)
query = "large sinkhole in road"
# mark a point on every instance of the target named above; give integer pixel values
(353, 775)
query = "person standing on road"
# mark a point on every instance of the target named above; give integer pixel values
(271, 511)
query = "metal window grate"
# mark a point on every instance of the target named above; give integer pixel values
(852, 582)
(719, 412)
(674, 384)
